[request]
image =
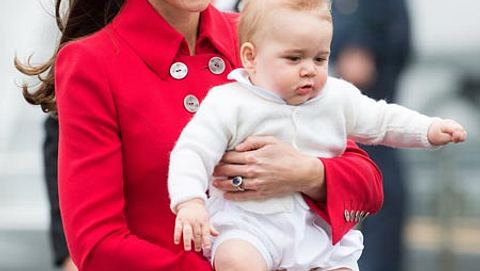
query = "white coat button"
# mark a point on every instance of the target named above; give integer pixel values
(347, 215)
(362, 215)
(216, 65)
(352, 216)
(366, 214)
(178, 70)
(357, 216)
(191, 103)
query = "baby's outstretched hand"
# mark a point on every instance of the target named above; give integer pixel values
(192, 223)
(442, 132)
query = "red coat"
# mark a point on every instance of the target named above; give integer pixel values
(120, 112)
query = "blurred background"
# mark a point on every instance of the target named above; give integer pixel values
(442, 79)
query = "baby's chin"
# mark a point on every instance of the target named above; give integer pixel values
(302, 95)
(298, 99)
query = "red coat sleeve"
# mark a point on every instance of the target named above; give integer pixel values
(91, 172)
(353, 185)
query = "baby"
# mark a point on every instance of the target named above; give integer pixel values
(282, 91)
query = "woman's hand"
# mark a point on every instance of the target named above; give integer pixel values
(270, 168)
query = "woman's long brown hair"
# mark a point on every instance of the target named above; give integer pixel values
(83, 17)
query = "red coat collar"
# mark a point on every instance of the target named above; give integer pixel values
(157, 43)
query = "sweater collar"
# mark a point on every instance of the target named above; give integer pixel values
(157, 43)
(241, 76)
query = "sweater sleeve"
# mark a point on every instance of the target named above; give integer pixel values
(199, 148)
(377, 122)
(91, 171)
(353, 184)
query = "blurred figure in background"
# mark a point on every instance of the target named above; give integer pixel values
(61, 256)
(371, 45)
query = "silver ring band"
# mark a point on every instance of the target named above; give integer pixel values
(237, 183)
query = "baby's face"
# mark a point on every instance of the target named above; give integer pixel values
(292, 57)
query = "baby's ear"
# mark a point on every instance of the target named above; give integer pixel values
(247, 55)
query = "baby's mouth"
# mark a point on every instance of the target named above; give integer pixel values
(305, 89)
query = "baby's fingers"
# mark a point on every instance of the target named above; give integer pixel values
(213, 231)
(197, 236)
(207, 231)
(206, 242)
(455, 130)
(187, 237)
(459, 136)
(177, 234)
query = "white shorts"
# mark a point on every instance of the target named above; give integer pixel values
(298, 240)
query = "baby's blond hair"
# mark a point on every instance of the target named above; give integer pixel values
(255, 12)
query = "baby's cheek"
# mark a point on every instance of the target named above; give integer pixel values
(322, 78)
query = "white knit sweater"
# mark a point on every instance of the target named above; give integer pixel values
(319, 127)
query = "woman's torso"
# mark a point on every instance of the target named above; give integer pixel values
(136, 54)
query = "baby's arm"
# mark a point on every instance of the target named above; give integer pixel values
(377, 122)
(200, 146)
(442, 132)
(192, 223)
(198, 150)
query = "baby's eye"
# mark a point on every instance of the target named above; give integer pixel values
(293, 58)
(320, 59)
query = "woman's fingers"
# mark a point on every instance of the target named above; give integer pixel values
(224, 185)
(247, 184)
(241, 158)
(225, 170)
(255, 142)
(266, 168)
(242, 161)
